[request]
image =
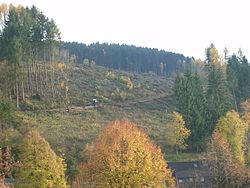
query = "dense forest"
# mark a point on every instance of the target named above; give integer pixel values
(128, 58)
(161, 103)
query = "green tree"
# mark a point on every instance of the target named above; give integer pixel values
(233, 66)
(191, 103)
(41, 167)
(11, 38)
(123, 156)
(6, 113)
(218, 95)
(238, 75)
(27, 38)
(176, 133)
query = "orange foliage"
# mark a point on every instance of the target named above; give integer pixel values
(225, 170)
(124, 156)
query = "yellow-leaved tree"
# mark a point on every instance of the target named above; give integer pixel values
(124, 156)
(176, 133)
(246, 110)
(41, 167)
(233, 129)
(225, 170)
(245, 106)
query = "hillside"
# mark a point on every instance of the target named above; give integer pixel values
(142, 98)
(56, 98)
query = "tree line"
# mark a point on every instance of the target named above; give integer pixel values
(29, 53)
(202, 102)
(128, 58)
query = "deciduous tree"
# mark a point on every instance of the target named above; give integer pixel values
(233, 129)
(123, 156)
(7, 164)
(41, 167)
(225, 170)
(176, 133)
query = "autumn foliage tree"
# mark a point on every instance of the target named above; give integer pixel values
(225, 170)
(233, 129)
(41, 167)
(226, 152)
(246, 111)
(176, 133)
(123, 156)
(245, 106)
(7, 164)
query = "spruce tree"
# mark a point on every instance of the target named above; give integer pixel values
(199, 110)
(191, 103)
(233, 68)
(218, 95)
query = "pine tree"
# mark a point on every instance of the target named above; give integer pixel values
(238, 75)
(218, 95)
(198, 115)
(233, 66)
(41, 167)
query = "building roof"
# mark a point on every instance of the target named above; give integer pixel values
(188, 174)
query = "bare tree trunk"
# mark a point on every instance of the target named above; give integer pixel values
(235, 101)
(35, 69)
(1, 130)
(27, 81)
(40, 78)
(23, 95)
(52, 72)
(30, 78)
(17, 94)
(45, 68)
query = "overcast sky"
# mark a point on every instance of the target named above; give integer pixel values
(182, 26)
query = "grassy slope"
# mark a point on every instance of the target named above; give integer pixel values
(147, 104)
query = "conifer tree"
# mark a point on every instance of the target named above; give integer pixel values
(218, 95)
(191, 103)
(233, 66)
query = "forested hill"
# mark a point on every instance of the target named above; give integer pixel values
(128, 58)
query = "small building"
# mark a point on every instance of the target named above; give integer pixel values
(193, 174)
(9, 182)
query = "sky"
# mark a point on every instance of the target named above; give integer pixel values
(181, 26)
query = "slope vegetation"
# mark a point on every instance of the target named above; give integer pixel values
(142, 98)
